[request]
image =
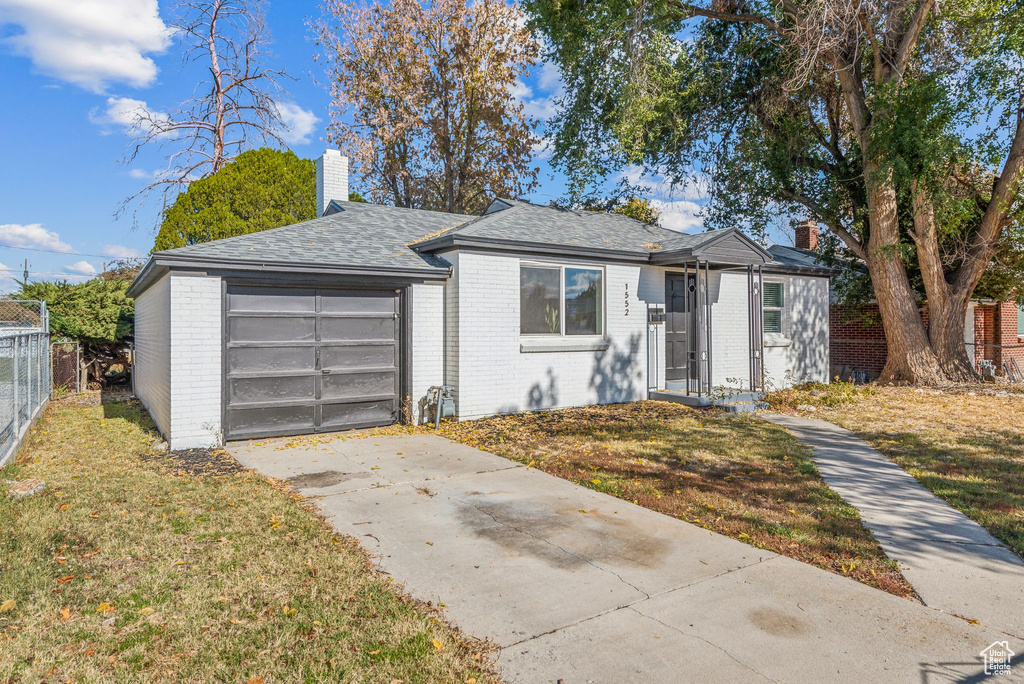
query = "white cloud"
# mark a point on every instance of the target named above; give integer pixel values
(548, 81)
(298, 123)
(657, 183)
(121, 252)
(90, 43)
(542, 149)
(82, 267)
(681, 215)
(31, 236)
(128, 114)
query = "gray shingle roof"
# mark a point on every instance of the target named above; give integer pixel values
(367, 235)
(791, 257)
(372, 238)
(526, 222)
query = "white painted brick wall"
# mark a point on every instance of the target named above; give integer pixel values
(196, 349)
(331, 179)
(153, 352)
(730, 326)
(494, 376)
(806, 357)
(427, 343)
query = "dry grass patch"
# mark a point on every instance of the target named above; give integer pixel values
(127, 568)
(965, 444)
(738, 476)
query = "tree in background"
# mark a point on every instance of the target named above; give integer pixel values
(423, 99)
(260, 189)
(96, 313)
(236, 107)
(638, 208)
(899, 126)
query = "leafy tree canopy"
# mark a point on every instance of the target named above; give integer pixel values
(260, 189)
(638, 208)
(897, 125)
(95, 312)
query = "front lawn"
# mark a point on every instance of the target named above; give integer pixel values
(739, 476)
(129, 568)
(964, 444)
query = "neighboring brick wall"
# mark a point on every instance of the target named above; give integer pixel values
(196, 349)
(1009, 342)
(858, 338)
(427, 344)
(153, 352)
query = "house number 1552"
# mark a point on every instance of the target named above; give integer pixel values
(627, 299)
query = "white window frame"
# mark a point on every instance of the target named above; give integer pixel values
(783, 310)
(561, 266)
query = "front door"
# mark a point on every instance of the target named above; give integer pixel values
(680, 305)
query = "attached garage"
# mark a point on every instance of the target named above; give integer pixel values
(301, 360)
(295, 330)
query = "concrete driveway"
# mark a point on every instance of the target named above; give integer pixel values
(577, 586)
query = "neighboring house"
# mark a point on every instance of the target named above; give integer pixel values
(347, 320)
(994, 331)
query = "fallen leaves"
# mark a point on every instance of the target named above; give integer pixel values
(8, 605)
(104, 608)
(437, 645)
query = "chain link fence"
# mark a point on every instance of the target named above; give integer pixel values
(66, 362)
(23, 315)
(24, 386)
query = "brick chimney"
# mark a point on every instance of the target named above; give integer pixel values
(807, 236)
(331, 179)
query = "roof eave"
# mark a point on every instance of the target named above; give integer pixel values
(496, 244)
(163, 261)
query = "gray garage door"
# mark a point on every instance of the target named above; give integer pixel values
(310, 360)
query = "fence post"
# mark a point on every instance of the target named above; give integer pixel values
(17, 383)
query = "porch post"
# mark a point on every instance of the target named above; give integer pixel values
(760, 326)
(698, 341)
(707, 299)
(686, 304)
(750, 324)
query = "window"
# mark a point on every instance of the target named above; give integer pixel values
(560, 300)
(773, 302)
(1020, 322)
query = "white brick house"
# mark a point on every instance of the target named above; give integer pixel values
(349, 319)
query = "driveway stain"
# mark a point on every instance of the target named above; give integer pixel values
(777, 623)
(326, 478)
(562, 537)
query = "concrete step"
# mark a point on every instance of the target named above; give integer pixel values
(745, 407)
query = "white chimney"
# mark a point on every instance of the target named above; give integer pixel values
(331, 179)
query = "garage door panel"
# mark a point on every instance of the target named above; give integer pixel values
(276, 358)
(272, 300)
(272, 420)
(324, 359)
(356, 385)
(272, 388)
(338, 416)
(353, 356)
(357, 302)
(271, 329)
(357, 329)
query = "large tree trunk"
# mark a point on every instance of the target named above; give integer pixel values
(946, 331)
(911, 359)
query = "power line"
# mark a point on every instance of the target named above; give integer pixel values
(57, 251)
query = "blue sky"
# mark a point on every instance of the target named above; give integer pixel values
(73, 71)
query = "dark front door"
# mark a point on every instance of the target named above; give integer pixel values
(305, 360)
(680, 305)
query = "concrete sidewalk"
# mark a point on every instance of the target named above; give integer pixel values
(577, 586)
(954, 564)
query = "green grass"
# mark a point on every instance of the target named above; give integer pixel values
(965, 444)
(209, 578)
